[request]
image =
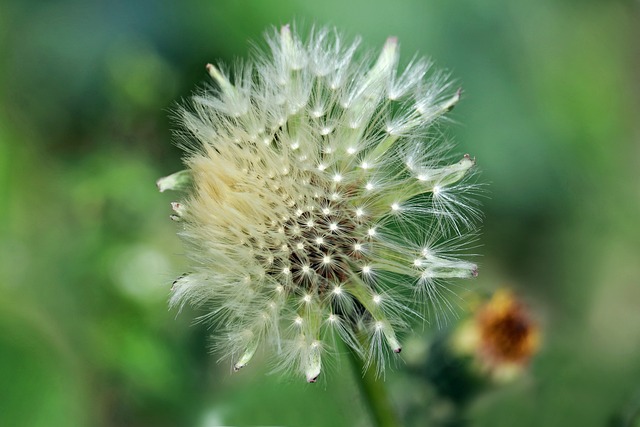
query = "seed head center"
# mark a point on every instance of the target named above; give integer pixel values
(321, 255)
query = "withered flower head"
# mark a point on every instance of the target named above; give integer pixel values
(502, 336)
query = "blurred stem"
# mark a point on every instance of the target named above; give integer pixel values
(373, 392)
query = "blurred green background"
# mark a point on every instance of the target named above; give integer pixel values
(87, 252)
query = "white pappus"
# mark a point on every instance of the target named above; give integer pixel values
(320, 202)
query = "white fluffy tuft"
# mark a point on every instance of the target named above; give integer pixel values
(313, 181)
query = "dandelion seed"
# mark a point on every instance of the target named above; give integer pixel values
(296, 163)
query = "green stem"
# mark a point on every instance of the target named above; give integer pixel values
(373, 393)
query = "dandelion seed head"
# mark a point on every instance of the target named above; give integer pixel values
(297, 161)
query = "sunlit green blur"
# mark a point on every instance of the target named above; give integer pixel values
(551, 111)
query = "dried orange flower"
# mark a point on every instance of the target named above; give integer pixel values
(502, 336)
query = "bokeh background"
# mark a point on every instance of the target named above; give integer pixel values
(87, 252)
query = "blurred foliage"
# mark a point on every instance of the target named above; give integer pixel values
(87, 253)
